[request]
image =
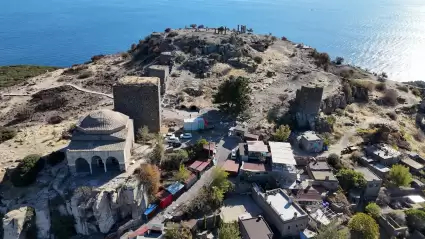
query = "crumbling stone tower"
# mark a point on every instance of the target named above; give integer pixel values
(307, 106)
(162, 73)
(139, 98)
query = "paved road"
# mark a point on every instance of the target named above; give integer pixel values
(224, 147)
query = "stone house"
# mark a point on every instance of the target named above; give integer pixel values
(281, 211)
(101, 142)
(373, 184)
(384, 153)
(310, 142)
(322, 175)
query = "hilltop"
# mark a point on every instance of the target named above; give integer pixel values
(356, 103)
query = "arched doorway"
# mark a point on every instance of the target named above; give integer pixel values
(97, 165)
(112, 165)
(82, 166)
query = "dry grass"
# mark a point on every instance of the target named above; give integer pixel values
(364, 84)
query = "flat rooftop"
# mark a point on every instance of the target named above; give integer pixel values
(231, 166)
(159, 67)
(132, 80)
(319, 165)
(281, 203)
(257, 146)
(412, 163)
(234, 206)
(310, 136)
(323, 175)
(282, 153)
(380, 167)
(253, 167)
(385, 151)
(256, 228)
(368, 175)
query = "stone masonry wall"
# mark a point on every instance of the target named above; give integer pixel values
(161, 72)
(141, 102)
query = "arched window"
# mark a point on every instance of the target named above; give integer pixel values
(97, 165)
(82, 166)
(112, 165)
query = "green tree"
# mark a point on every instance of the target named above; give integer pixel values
(229, 231)
(157, 154)
(400, 176)
(334, 161)
(173, 160)
(415, 219)
(363, 226)
(233, 96)
(27, 170)
(6, 134)
(349, 179)
(331, 231)
(178, 233)
(282, 133)
(182, 174)
(143, 135)
(373, 209)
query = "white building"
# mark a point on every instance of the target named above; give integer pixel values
(281, 211)
(101, 142)
(283, 163)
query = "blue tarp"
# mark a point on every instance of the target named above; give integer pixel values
(175, 188)
(150, 209)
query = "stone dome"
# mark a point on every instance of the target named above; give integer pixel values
(102, 122)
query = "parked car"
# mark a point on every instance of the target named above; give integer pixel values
(186, 136)
(233, 154)
(349, 150)
(172, 139)
(167, 135)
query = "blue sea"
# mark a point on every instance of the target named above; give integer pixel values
(381, 35)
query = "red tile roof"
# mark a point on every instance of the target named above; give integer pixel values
(195, 165)
(231, 166)
(162, 194)
(200, 165)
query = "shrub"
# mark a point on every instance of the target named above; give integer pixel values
(148, 174)
(339, 60)
(26, 171)
(55, 158)
(143, 136)
(258, 59)
(182, 174)
(415, 219)
(400, 176)
(373, 209)
(282, 133)
(349, 179)
(363, 226)
(97, 57)
(321, 59)
(392, 115)
(334, 161)
(381, 86)
(229, 231)
(6, 133)
(167, 30)
(85, 74)
(416, 92)
(403, 88)
(390, 97)
(173, 34)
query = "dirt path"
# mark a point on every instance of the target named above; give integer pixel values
(68, 84)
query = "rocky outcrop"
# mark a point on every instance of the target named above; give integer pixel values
(19, 224)
(99, 210)
(333, 102)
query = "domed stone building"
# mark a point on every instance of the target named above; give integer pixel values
(101, 142)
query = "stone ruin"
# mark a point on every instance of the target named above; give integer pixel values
(161, 72)
(139, 98)
(307, 105)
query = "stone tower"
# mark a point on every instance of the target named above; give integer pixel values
(139, 98)
(307, 106)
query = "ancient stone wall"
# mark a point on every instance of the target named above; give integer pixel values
(307, 105)
(140, 101)
(161, 72)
